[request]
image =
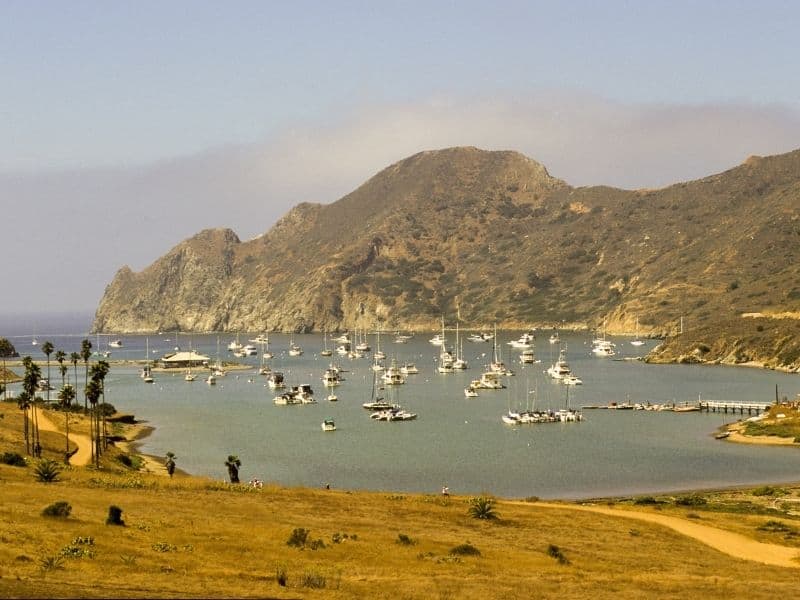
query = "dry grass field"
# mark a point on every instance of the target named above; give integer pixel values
(193, 537)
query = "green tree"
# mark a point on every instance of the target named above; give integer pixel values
(65, 396)
(47, 349)
(30, 382)
(74, 357)
(24, 403)
(60, 357)
(169, 463)
(86, 353)
(233, 463)
(92, 395)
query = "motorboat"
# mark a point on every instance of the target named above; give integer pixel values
(528, 357)
(524, 342)
(250, 350)
(437, 339)
(275, 380)
(234, 345)
(115, 343)
(603, 348)
(211, 379)
(333, 398)
(554, 338)
(331, 378)
(489, 381)
(393, 376)
(409, 369)
(571, 380)
(560, 369)
(470, 392)
(189, 376)
(480, 337)
(262, 338)
(328, 425)
(343, 339)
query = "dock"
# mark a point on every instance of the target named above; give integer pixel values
(734, 406)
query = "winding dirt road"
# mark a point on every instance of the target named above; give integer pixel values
(730, 543)
(84, 454)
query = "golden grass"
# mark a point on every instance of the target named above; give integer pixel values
(193, 537)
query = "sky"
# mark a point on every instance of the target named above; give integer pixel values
(127, 127)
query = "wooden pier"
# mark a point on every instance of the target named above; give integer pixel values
(734, 406)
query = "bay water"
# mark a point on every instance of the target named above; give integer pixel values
(455, 441)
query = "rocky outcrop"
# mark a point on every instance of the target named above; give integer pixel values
(493, 238)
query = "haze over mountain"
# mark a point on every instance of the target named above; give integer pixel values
(493, 238)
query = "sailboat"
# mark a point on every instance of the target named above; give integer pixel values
(497, 365)
(459, 363)
(189, 375)
(294, 349)
(636, 341)
(325, 350)
(445, 357)
(147, 375)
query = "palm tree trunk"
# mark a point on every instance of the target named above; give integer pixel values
(37, 447)
(66, 428)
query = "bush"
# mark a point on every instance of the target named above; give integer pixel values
(13, 459)
(298, 538)
(404, 540)
(281, 576)
(691, 500)
(60, 509)
(47, 471)
(768, 490)
(645, 500)
(482, 508)
(555, 552)
(313, 580)
(465, 550)
(114, 516)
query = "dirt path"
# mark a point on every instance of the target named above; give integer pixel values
(84, 454)
(728, 542)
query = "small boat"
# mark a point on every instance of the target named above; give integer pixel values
(722, 435)
(332, 398)
(409, 369)
(554, 339)
(235, 344)
(470, 392)
(328, 425)
(524, 342)
(480, 337)
(294, 349)
(115, 343)
(325, 350)
(275, 381)
(528, 357)
(189, 376)
(211, 379)
(261, 339)
(636, 341)
(571, 380)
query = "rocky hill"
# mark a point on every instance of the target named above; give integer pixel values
(490, 236)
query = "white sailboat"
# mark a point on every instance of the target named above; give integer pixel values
(147, 375)
(325, 350)
(636, 341)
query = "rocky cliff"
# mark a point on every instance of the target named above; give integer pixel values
(492, 237)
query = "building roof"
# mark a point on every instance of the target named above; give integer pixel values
(190, 356)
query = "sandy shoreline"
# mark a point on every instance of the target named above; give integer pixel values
(736, 435)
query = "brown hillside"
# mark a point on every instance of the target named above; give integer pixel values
(492, 236)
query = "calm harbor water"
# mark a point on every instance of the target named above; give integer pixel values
(456, 441)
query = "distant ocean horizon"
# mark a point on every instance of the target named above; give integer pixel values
(19, 324)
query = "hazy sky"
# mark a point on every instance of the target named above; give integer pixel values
(126, 127)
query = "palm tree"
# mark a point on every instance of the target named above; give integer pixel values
(60, 357)
(23, 402)
(92, 395)
(170, 463)
(66, 395)
(97, 385)
(29, 384)
(86, 353)
(233, 463)
(74, 357)
(48, 348)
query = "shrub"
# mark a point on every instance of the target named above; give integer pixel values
(13, 459)
(465, 550)
(482, 508)
(51, 563)
(404, 540)
(47, 471)
(114, 516)
(691, 500)
(313, 580)
(768, 490)
(60, 509)
(298, 538)
(645, 500)
(281, 576)
(555, 552)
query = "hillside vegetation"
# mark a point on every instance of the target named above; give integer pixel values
(492, 237)
(194, 537)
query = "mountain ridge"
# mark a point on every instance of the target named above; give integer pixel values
(492, 237)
